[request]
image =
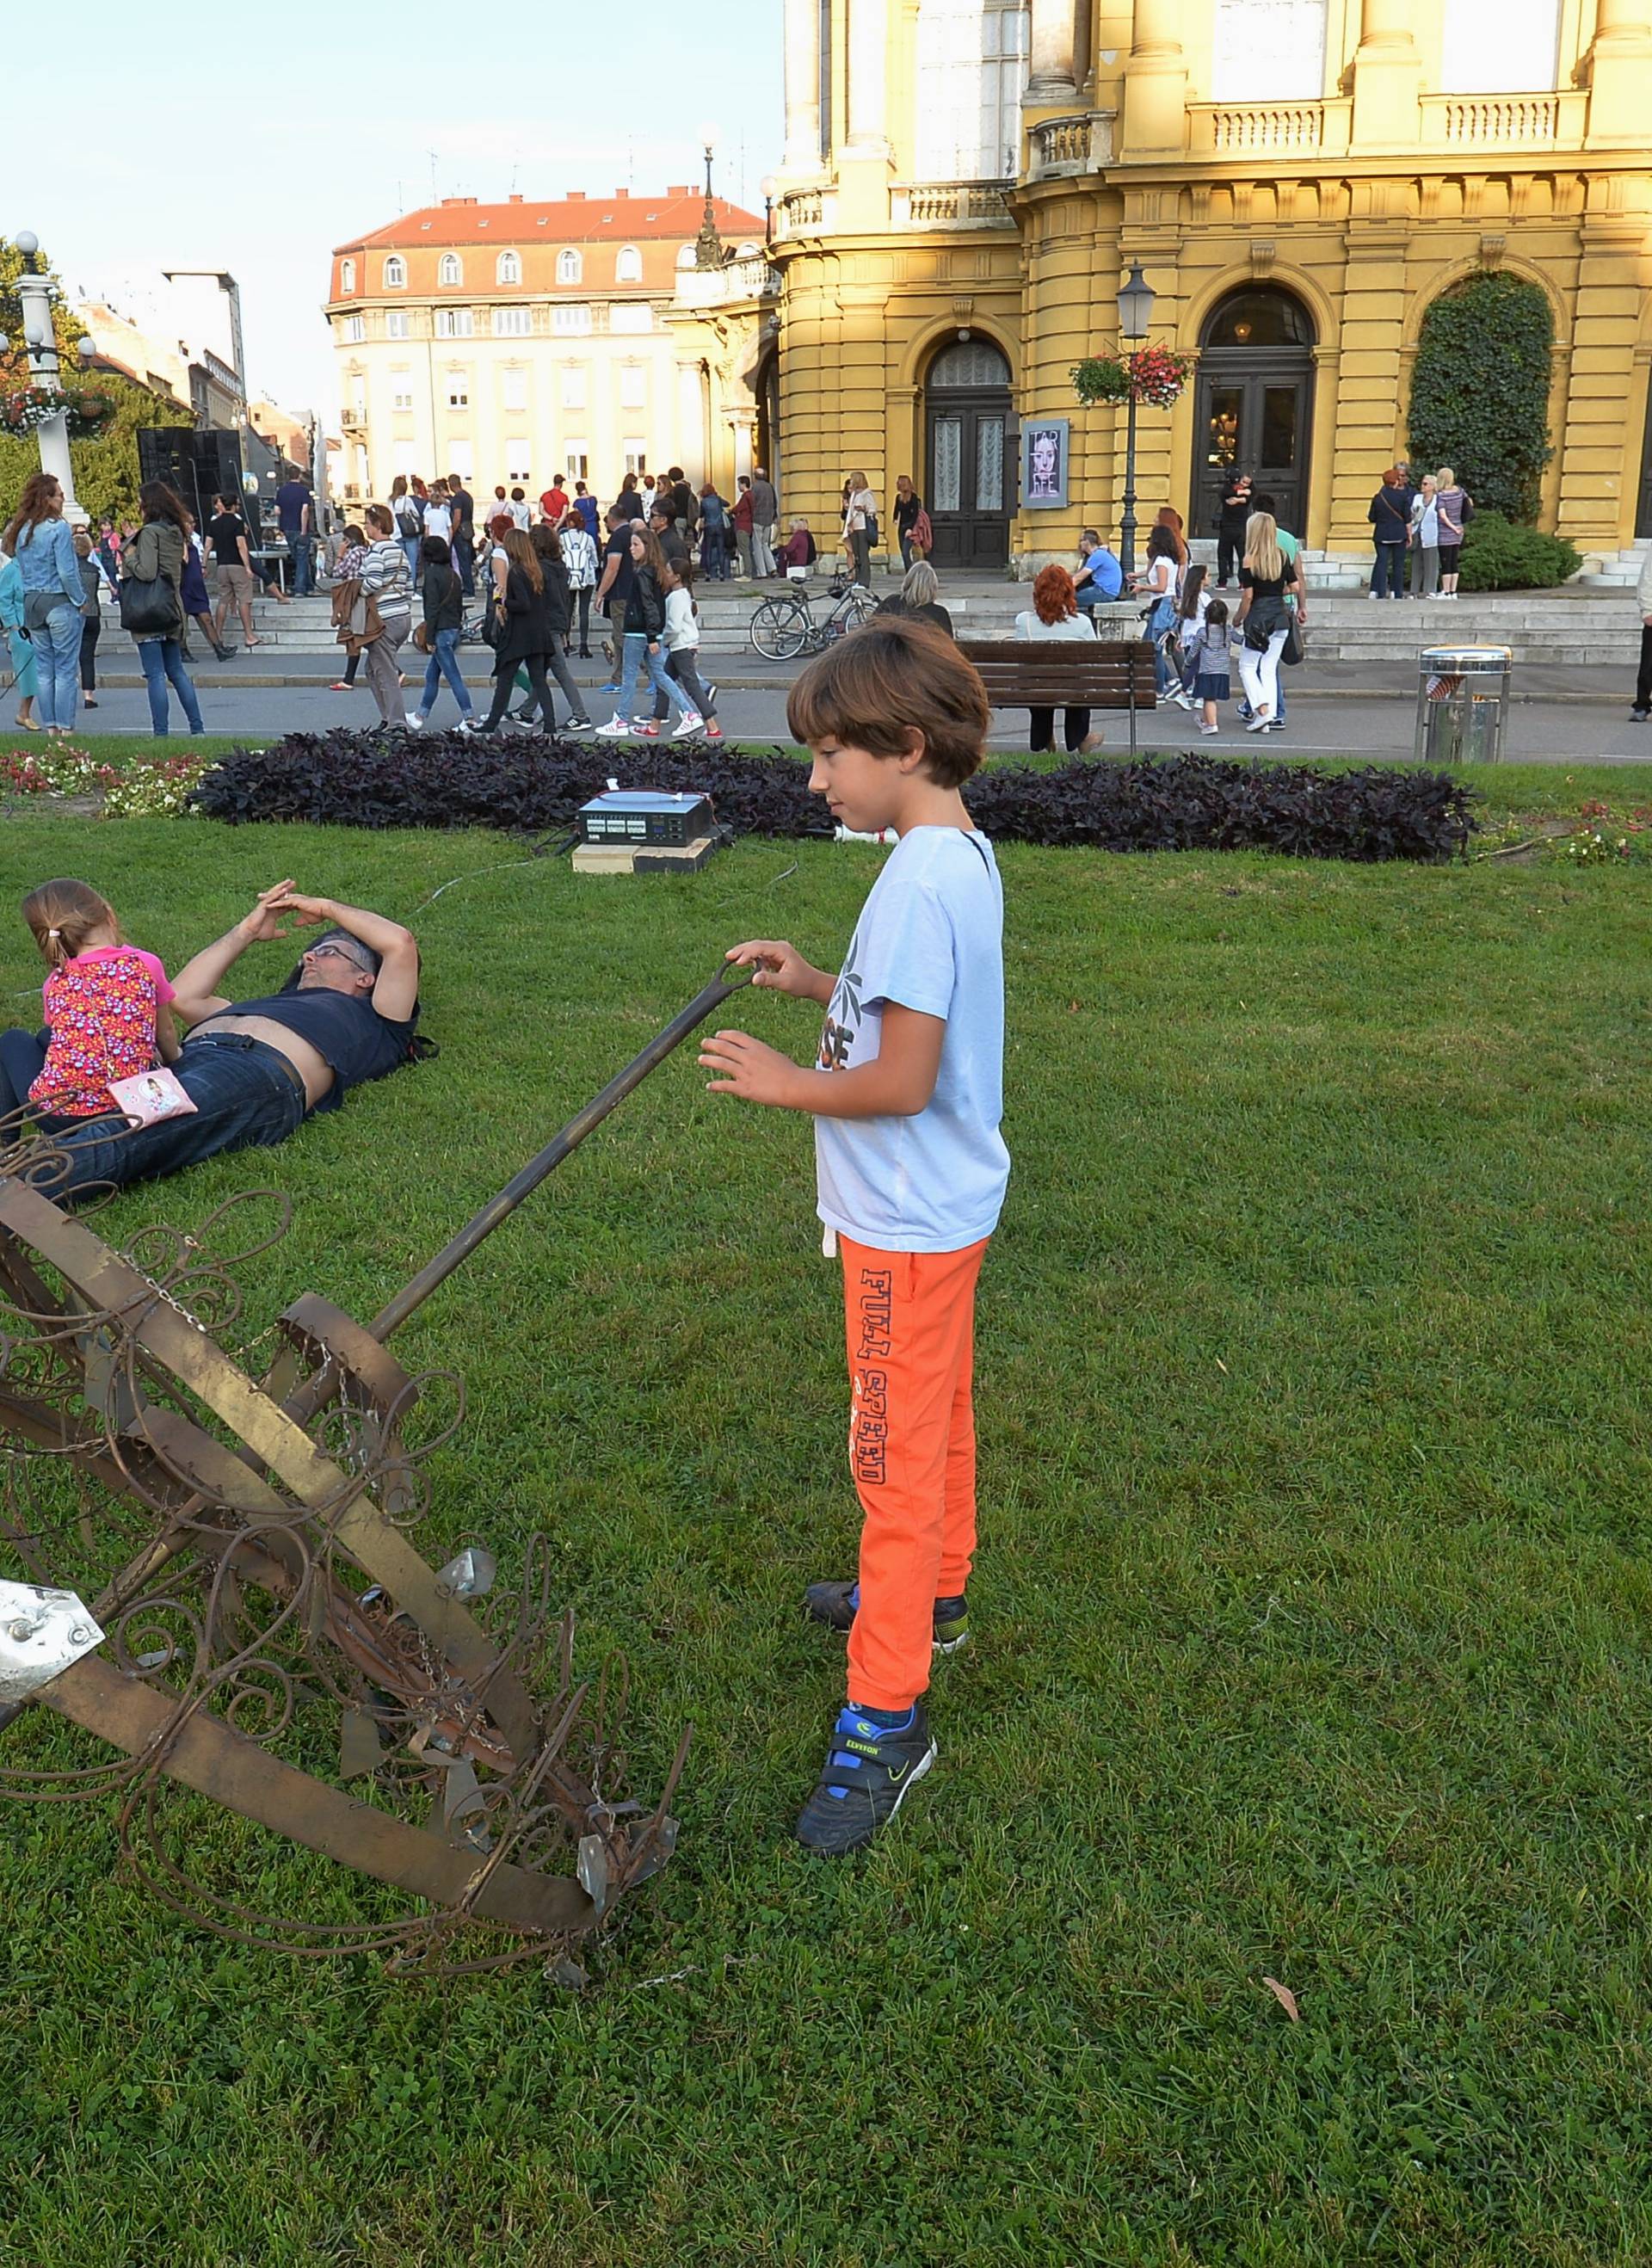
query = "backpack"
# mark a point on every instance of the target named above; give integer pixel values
(407, 517)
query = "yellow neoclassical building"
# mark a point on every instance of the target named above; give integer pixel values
(967, 182)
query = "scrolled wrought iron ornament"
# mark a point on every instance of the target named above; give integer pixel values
(271, 1604)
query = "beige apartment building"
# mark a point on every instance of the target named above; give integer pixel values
(523, 341)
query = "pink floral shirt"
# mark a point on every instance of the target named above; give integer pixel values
(100, 1007)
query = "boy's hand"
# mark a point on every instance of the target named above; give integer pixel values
(750, 1069)
(781, 968)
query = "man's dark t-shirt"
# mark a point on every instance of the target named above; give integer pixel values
(225, 532)
(619, 546)
(346, 1030)
(291, 499)
(464, 510)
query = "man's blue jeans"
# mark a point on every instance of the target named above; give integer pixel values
(444, 662)
(303, 550)
(639, 656)
(246, 1096)
(163, 658)
(57, 663)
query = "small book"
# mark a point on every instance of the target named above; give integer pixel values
(149, 1096)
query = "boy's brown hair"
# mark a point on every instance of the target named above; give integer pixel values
(883, 683)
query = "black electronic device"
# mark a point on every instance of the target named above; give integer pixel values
(635, 816)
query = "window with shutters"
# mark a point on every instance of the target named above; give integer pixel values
(573, 319)
(346, 275)
(512, 323)
(509, 268)
(395, 323)
(570, 268)
(454, 322)
(394, 272)
(628, 266)
(451, 270)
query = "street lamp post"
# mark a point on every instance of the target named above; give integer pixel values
(41, 340)
(708, 246)
(1135, 312)
(769, 185)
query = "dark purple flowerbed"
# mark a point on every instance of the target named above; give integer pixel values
(1174, 803)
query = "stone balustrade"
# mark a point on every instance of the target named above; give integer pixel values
(1079, 144)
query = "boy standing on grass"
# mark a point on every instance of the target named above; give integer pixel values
(906, 1097)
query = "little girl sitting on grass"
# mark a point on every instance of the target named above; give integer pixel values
(107, 1015)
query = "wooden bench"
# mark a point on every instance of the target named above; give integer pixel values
(1065, 673)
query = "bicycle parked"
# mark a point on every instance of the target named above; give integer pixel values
(783, 628)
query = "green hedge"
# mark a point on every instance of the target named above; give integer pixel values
(1479, 391)
(1497, 556)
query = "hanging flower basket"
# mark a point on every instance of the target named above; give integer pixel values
(1155, 375)
(31, 407)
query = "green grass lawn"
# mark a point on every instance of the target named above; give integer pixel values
(1311, 1622)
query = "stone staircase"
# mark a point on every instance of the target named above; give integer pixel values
(1583, 623)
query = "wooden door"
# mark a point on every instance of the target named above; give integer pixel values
(970, 478)
(1252, 414)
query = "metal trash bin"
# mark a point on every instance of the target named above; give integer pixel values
(1462, 703)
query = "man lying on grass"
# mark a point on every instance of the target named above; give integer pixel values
(911, 1170)
(256, 1069)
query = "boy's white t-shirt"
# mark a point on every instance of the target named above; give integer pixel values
(931, 938)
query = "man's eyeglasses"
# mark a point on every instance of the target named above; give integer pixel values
(343, 952)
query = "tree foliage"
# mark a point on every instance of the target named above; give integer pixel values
(1479, 391)
(104, 469)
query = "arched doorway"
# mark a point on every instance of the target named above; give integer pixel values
(1253, 411)
(969, 476)
(766, 440)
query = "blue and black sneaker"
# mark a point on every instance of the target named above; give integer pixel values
(836, 1604)
(874, 1759)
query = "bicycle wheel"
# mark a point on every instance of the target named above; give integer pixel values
(779, 628)
(858, 611)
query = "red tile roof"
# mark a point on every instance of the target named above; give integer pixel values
(580, 218)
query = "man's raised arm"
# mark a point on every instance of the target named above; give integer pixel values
(397, 989)
(196, 985)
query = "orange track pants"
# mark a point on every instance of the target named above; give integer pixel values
(911, 1319)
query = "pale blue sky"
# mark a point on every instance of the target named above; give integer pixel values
(328, 115)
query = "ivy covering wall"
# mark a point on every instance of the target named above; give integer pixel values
(1480, 391)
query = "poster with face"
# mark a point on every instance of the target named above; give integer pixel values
(1043, 484)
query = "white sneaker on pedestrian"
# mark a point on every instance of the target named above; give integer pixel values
(1258, 725)
(1209, 731)
(689, 727)
(466, 725)
(615, 729)
(415, 721)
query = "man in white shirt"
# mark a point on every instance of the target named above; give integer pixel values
(521, 515)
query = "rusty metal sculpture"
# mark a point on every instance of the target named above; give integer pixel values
(270, 1584)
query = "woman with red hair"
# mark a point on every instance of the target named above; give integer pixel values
(1055, 614)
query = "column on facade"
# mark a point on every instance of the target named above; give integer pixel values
(1600, 442)
(1387, 76)
(691, 422)
(1621, 74)
(802, 87)
(1053, 76)
(868, 73)
(1367, 409)
(1156, 79)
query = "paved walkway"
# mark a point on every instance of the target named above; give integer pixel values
(1561, 716)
